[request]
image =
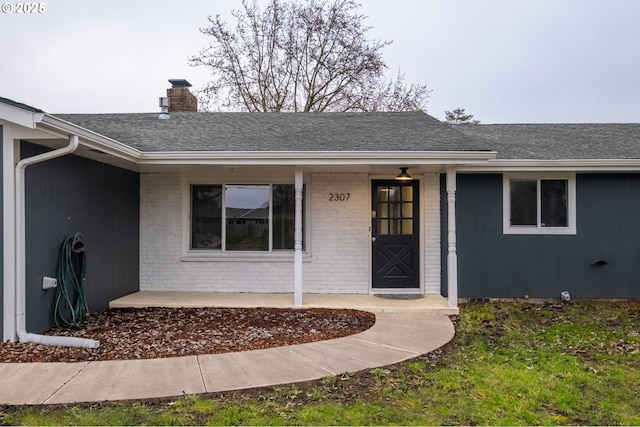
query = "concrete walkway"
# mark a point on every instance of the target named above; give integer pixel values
(396, 336)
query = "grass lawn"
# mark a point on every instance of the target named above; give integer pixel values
(509, 364)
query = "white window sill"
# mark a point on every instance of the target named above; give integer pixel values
(218, 256)
(543, 231)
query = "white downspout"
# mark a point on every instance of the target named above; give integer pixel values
(20, 210)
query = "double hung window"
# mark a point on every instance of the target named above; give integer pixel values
(236, 217)
(539, 204)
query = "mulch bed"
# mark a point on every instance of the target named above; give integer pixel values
(148, 333)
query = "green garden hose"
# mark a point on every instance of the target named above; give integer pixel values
(71, 310)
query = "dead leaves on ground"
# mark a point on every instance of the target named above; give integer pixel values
(146, 333)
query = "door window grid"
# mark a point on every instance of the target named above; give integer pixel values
(395, 210)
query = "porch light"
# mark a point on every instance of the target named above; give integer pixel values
(404, 176)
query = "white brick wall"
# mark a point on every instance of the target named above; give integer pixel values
(164, 263)
(432, 252)
(339, 248)
(340, 236)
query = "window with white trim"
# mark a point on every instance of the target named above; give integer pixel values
(539, 203)
(232, 217)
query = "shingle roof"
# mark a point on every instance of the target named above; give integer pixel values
(406, 131)
(558, 141)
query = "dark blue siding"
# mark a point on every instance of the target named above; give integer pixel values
(71, 194)
(491, 264)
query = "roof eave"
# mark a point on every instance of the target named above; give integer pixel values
(91, 140)
(575, 165)
(314, 157)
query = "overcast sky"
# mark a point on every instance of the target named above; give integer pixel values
(504, 61)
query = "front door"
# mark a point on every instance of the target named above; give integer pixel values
(395, 234)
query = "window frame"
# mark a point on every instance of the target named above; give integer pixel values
(223, 250)
(570, 229)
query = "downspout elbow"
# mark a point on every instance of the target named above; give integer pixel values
(74, 142)
(24, 336)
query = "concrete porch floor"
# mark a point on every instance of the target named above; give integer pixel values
(430, 304)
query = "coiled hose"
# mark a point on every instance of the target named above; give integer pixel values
(71, 310)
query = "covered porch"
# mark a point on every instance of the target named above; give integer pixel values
(430, 304)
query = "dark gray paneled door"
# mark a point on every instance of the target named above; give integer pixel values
(395, 234)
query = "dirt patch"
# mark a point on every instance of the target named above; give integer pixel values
(149, 333)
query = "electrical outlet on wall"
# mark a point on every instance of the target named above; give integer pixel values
(49, 282)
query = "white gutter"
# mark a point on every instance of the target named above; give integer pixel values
(305, 158)
(564, 165)
(92, 140)
(20, 209)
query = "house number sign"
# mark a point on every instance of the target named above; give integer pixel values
(339, 197)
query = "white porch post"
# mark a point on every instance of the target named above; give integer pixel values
(452, 256)
(297, 260)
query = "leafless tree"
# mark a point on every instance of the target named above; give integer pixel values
(310, 55)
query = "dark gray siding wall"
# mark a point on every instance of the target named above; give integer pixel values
(491, 264)
(71, 194)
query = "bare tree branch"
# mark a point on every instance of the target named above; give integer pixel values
(310, 55)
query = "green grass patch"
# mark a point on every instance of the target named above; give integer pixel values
(509, 364)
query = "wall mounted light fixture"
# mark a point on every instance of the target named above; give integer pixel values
(404, 176)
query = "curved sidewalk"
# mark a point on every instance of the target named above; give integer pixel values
(394, 337)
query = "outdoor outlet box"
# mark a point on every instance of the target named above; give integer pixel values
(49, 282)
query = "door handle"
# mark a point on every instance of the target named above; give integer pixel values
(373, 239)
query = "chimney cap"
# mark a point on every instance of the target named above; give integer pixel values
(178, 83)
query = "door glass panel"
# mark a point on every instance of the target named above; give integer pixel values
(394, 226)
(407, 226)
(383, 194)
(394, 194)
(407, 194)
(383, 227)
(383, 210)
(407, 210)
(396, 210)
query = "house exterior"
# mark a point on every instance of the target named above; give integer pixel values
(313, 203)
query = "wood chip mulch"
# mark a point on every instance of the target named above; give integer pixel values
(148, 333)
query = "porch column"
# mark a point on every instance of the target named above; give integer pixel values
(452, 256)
(297, 259)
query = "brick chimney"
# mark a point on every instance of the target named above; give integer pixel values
(180, 98)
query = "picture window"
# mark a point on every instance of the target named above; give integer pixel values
(256, 217)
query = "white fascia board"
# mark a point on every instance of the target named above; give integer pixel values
(19, 116)
(91, 139)
(314, 157)
(569, 165)
(21, 133)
